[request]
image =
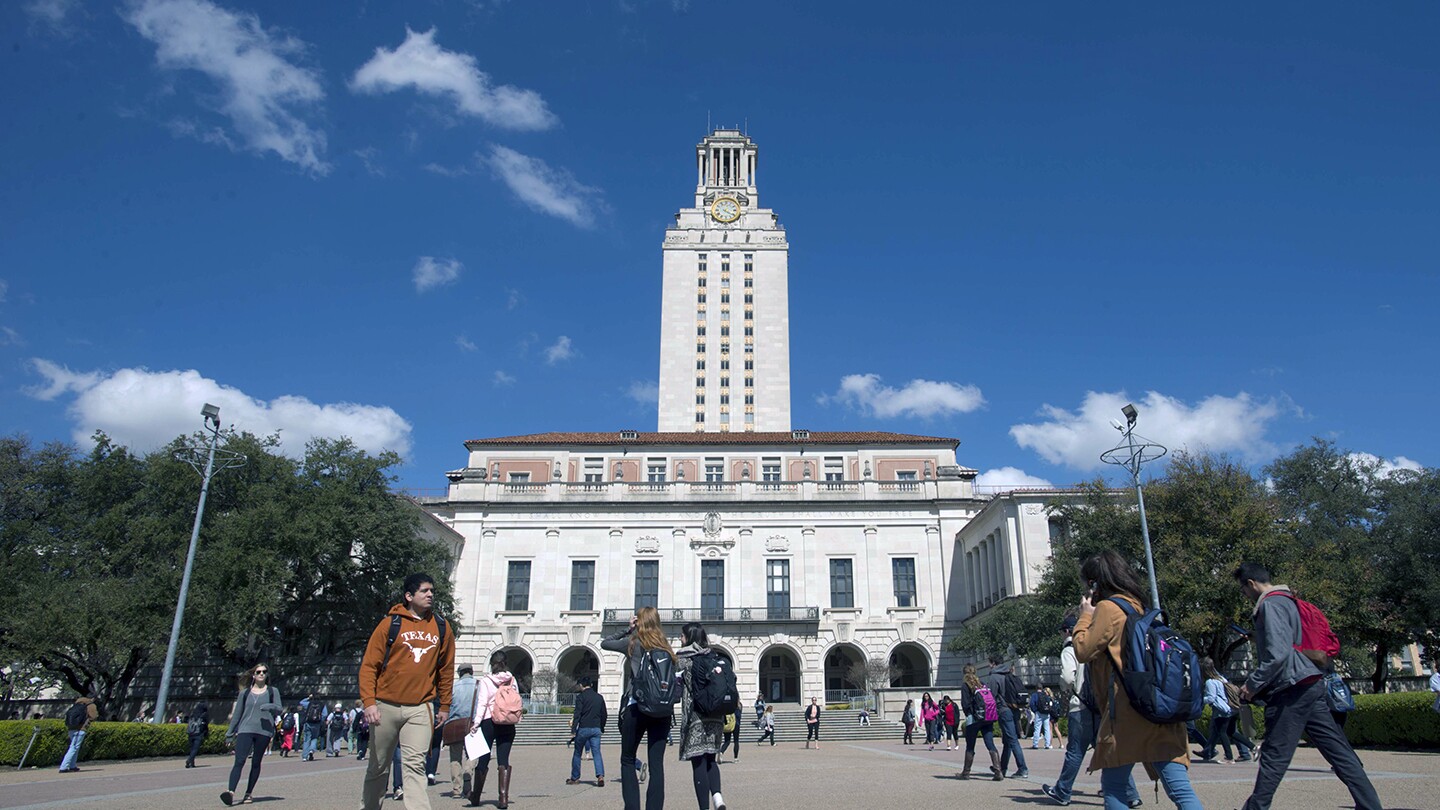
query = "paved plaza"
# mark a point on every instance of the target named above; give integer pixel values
(856, 774)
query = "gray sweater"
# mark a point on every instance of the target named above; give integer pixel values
(255, 714)
(1277, 631)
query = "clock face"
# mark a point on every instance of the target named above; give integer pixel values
(725, 209)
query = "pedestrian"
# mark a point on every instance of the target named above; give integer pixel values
(767, 726)
(493, 720)
(1435, 683)
(1293, 689)
(950, 722)
(196, 729)
(252, 724)
(289, 724)
(759, 708)
(586, 726)
(362, 734)
(314, 716)
(1124, 736)
(437, 741)
(1081, 719)
(398, 689)
(735, 732)
(78, 718)
(643, 637)
(1222, 714)
(701, 737)
(463, 697)
(1041, 704)
(1006, 688)
(929, 713)
(812, 723)
(338, 726)
(982, 710)
(908, 718)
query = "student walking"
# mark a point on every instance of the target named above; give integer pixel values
(1006, 688)
(313, 710)
(701, 737)
(1222, 714)
(252, 724)
(908, 718)
(812, 723)
(1293, 688)
(496, 721)
(196, 729)
(759, 708)
(645, 638)
(336, 726)
(587, 725)
(981, 709)
(289, 725)
(767, 726)
(950, 720)
(362, 733)
(1041, 704)
(78, 718)
(1124, 736)
(463, 697)
(929, 713)
(1081, 723)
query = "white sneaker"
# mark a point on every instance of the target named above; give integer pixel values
(718, 801)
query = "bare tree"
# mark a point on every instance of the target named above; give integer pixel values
(876, 673)
(542, 684)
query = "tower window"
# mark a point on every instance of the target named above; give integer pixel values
(700, 282)
(700, 297)
(700, 330)
(749, 282)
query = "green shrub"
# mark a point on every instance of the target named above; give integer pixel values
(102, 741)
(1256, 712)
(1399, 718)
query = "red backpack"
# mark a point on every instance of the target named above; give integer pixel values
(1317, 641)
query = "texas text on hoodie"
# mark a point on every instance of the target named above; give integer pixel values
(419, 670)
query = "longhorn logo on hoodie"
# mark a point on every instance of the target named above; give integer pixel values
(419, 636)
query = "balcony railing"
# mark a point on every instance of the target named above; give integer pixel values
(679, 491)
(729, 615)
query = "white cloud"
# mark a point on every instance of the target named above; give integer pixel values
(446, 171)
(4, 287)
(369, 157)
(501, 379)
(9, 337)
(51, 13)
(549, 191)
(559, 351)
(1218, 424)
(431, 272)
(923, 398)
(145, 409)
(262, 92)
(465, 344)
(1004, 479)
(645, 392)
(430, 69)
(513, 298)
(1385, 467)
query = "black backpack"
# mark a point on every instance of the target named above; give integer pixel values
(654, 685)
(337, 722)
(75, 716)
(288, 724)
(195, 727)
(1042, 703)
(713, 694)
(315, 713)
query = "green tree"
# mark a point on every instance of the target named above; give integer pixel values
(1410, 533)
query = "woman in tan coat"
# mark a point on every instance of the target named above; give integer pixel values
(1123, 736)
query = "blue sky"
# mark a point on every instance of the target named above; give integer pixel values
(425, 222)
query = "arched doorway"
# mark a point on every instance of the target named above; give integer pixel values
(840, 678)
(575, 663)
(522, 666)
(910, 665)
(780, 675)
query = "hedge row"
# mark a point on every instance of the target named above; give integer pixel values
(102, 741)
(1398, 718)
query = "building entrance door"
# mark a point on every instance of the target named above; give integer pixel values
(780, 675)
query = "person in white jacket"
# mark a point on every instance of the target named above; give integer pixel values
(499, 736)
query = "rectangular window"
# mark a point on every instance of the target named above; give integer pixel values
(714, 470)
(582, 585)
(647, 583)
(749, 399)
(724, 297)
(594, 470)
(655, 467)
(517, 586)
(725, 282)
(700, 297)
(700, 330)
(749, 330)
(834, 468)
(770, 472)
(724, 399)
(724, 364)
(749, 299)
(777, 589)
(519, 477)
(749, 282)
(700, 365)
(904, 569)
(749, 364)
(724, 382)
(906, 479)
(842, 583)
(712, 590)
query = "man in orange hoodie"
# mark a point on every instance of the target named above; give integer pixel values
(408, 666)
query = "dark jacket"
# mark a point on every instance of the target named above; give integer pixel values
(1277, 631)
(1005, 686)
(590, 710)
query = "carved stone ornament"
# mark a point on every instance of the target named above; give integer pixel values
(777, 542)
(726, 543)
(1034, 509)
(648, 544)
(713, 524)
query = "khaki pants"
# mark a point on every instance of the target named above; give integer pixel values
(460, 768)
(411, 728)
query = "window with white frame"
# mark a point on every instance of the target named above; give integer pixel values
(655, 467)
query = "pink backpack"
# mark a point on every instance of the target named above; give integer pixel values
(506, 708)
(990, 711)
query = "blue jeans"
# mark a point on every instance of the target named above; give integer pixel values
(1080, 739)
(72, 755)
(1118, 785)
(314, 733)
(587, 737)
(1042, 729)
(1010, 736)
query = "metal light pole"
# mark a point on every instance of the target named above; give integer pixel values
(1131, 455)
(190, 455)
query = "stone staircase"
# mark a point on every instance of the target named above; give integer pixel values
(835, 726)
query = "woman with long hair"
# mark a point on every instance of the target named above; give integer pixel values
(908, 717)
(950, 719)
(1124, 736)
(972, 702)
(1222, 718)
(929, 711)
(252, 725)
(644, 637)
(701, 737)
(499, 736)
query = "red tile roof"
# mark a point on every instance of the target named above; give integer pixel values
(559, 439)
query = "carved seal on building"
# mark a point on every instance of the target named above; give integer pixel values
(777, 542)
(648, 544)
(713, 525)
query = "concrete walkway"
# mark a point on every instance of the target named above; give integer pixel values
(840, 775)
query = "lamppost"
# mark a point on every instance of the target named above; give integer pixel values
(191, 455)
(1130, 455)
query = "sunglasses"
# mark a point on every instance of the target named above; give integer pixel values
(261, 671)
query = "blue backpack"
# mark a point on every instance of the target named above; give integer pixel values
(1159, 670)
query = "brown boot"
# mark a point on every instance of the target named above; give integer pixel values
(504, 777)
(995, 766)
(477, 785)
(969, 760)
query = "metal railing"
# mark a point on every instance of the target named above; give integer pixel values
(729, 615)
(854, 699)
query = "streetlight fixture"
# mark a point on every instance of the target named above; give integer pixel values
(190, 454)
(1130, 454)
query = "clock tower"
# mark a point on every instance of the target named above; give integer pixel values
(725, 310)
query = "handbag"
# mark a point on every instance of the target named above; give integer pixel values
(1337, 694)
(456, 728)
